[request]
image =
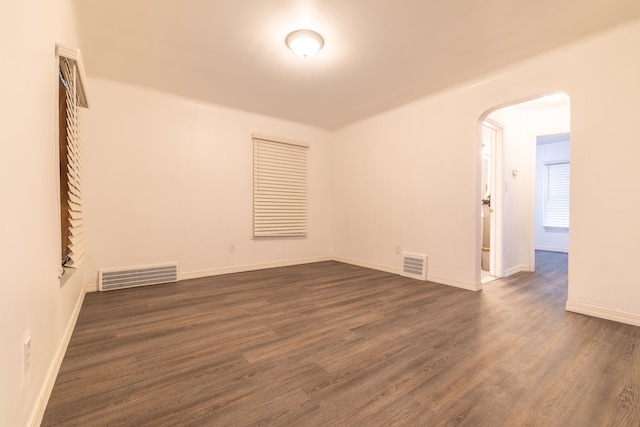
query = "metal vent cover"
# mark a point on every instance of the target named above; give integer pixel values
(414, 266)
(137, 276)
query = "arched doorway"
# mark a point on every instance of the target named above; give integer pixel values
(508, 210)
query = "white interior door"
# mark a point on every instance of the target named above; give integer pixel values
(493, 188)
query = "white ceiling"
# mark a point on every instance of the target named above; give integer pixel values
(378, 54)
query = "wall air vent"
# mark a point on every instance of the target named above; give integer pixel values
(137, 276)
(414, 266)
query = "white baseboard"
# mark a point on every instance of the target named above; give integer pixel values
(252, 267)
(93, 287)
(470, 286)
(54, 367)
(551, 249)
(365, 264)
(514, 270)
(436, 279)
(603, 312)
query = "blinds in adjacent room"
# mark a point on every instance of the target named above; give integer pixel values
(279, 188)
(556, 195)
(73, 250)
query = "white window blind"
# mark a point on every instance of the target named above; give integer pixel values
(76, 248)
(556, 195)
(279, 188)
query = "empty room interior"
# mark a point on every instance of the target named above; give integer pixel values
(429, 217)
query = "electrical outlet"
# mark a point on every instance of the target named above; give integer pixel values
(398, 250)
(232, 249)
(27, 354)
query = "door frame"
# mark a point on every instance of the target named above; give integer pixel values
(496, 254)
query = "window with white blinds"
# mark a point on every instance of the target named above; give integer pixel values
(556, 195)
(279, 188)
(72, 96)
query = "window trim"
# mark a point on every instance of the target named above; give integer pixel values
(548, 221)
(72, 95)
(74, 55)
(280, 208)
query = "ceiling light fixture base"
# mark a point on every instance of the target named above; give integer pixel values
(304, 43)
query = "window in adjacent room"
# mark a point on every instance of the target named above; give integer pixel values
(279, 188)
(556, 195)
(71, 96)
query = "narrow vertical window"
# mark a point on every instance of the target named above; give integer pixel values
(71, 96)
(279, 188)
(556, 195)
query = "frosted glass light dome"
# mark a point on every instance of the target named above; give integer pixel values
(305, 43)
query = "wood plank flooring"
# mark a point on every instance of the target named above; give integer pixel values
(331, 344)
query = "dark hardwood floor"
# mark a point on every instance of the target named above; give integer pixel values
(331, 344)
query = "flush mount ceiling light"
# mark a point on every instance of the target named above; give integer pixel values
(304, 43)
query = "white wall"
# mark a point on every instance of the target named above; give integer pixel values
(514, 192)
(169, 179)
(33, 302)
(409, 177)
(549, 239)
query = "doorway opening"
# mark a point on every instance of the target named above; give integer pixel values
(524, 149)
(552, 192)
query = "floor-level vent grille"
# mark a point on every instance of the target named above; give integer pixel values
(414, 266)
(139, 276)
